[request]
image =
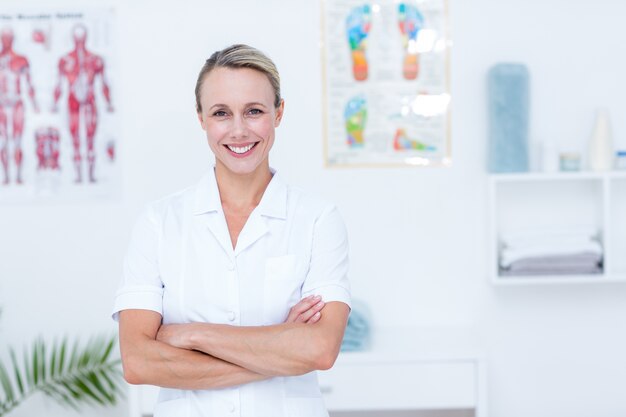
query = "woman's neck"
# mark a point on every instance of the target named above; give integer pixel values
(242, 192)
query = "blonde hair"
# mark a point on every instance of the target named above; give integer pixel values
(240, 56)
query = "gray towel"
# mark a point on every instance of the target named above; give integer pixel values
(557, 262)
(563, 271)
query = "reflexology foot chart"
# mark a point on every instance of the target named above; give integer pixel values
(355, 115)
(358, 27)
(386, 83)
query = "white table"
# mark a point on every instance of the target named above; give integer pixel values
(419, 368)
(414, 368)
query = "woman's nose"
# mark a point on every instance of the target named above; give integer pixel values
(240, 129)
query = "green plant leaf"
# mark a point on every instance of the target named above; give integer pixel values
(43, 371)
(89, 375)
(61, 359)
(16, 371)
(74, 357)
(108, 350)
(7, 386)
(27, 368)
(35, 367)
(53, 360)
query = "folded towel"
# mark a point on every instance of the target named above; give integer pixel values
(577, 264)
(584, 260)
(529, 272)
(357, 334)
(511, 254)
(572, 251)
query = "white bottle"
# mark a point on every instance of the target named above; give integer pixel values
(601, 143)
(549, 157)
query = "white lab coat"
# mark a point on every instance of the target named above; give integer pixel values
(181, 264)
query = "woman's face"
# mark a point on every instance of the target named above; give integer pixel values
(239, 118)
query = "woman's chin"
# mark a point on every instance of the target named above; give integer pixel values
(243, 166)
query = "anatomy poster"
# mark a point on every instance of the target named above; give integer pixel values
(386, 76)
(58, 117)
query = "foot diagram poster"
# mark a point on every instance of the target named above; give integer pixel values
(386, 82)
(58, 118)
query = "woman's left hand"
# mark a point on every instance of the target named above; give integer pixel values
(308, 310)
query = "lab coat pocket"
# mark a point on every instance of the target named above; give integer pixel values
(282, 288)
(280, 268)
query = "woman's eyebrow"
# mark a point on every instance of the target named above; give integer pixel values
(253, 103)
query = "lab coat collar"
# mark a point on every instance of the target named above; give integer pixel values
(274, 200)
(273, 203)
(207, 194)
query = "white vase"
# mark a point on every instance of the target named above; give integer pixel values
(601, 143)
(549, 157)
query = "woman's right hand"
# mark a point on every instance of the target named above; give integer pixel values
(308, 310)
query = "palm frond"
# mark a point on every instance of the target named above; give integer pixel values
(89, 375)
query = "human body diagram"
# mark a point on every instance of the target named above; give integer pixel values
(44, 149)
(14, 70)
(80, 68)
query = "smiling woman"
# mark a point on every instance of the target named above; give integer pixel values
(235, 290)
(239, 118)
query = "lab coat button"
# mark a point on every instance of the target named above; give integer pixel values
(231, 317)
(231, 266)
(233, 408)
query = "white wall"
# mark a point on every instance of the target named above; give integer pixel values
(553, 351)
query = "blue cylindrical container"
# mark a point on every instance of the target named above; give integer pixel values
(508, 98)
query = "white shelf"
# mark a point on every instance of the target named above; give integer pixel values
(523, 201)
(556, 176)
(558, 279)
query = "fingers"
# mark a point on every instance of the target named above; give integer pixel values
(315, 318)
(305, 304)
(305, 309)
(312, 313)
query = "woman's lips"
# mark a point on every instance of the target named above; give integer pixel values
(241, 150)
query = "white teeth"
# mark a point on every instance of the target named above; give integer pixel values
(240, 150)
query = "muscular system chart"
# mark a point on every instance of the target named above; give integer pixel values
(58, 120)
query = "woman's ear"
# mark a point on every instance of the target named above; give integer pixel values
(201, 120)
(279, 113)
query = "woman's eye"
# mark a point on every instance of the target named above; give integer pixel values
(219, 113)
(255, 111)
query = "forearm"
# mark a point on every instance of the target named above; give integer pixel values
(283, 349)
(31, 93)
(157, 363)
(57, 90)
(57, 94)
(31, 89)
(290, 348)
(106, 92)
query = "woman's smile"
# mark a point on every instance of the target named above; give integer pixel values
(241, 150)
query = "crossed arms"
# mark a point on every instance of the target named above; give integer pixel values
(205, 355)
